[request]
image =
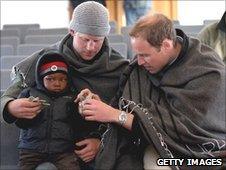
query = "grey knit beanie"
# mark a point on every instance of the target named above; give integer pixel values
(90, 18)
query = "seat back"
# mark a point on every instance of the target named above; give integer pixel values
(28, 49)
(5, 78)
(2, 91)
(113, 26)
(120, 47)
(10, 33)
(209, 21)
(7, 62)
(115, 38)
(42, 39)
(125, 32)
(9, 142)
(51, 31)
(192, 35)
(7, 50)
(176, 22)
(190, 28)
(22, 28)
(14, 41)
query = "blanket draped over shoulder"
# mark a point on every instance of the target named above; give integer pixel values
(182, 109)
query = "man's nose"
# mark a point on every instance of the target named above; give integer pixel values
(90, 45)
(140, 60)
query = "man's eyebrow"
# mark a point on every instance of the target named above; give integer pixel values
(143, 54)
(86, 36)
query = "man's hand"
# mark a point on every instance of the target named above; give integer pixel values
(94, 110)
(24, 108)
(91, 147)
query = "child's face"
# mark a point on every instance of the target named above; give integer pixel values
(55, 82)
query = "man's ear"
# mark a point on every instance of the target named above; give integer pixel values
(72, 32)
(167, 45)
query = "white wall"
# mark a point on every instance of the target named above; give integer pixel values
(193, 12)
(47, 13)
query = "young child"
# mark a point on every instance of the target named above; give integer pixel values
(50, 136)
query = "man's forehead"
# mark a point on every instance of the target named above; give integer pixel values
(89, 36)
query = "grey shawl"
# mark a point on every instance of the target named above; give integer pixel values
(182, 109)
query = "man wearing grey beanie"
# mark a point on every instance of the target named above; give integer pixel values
(72, 4)
(93, 64)
(90, 18)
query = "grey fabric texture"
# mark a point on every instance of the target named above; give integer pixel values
(91, 18)
(215, 38)
(46, 166)
(118, 152)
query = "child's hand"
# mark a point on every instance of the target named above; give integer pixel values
(86, 94)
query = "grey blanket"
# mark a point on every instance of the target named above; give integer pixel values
(183, 107)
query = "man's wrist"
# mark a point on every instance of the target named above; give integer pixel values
(114, 116)
(7, 115)
(122, 118)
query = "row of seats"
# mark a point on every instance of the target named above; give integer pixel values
(12, 46)
(5, 79)
(21, 30)
(17, 30)
(43, 39)
(23, 39)
(205, 22)
(32, 34)
(28, 49)
(62, 31)
(34, 29)
(186, 28)
(8, 61)
(9, 150)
